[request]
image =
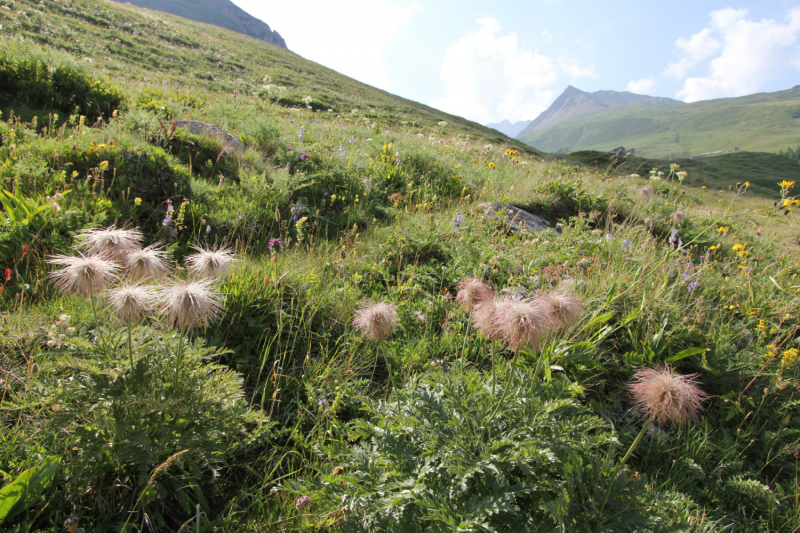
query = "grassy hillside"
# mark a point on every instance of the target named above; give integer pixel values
(722, 171)
(325, 332)
(186, 63)
(766, 122)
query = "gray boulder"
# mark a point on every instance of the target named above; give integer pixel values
(516, 219)
(212, 130)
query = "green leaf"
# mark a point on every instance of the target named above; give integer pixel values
(26, 489)
(600, 319)
(686, 353)
(775, 283)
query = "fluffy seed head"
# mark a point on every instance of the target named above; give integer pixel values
(522, 322)
(82, 274)
(376, 320)
(131, 301)
(483, 318)
(564, 308)
(149, 262)
(664, 396)
(191, 303)
(679, 217)
(208, 263)
(644, 192)
(471, 292)
(112, 242)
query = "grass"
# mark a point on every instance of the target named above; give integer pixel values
(757, 123)
(282, 416)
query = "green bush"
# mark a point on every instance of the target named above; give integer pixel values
(450, 454)
(41, 82)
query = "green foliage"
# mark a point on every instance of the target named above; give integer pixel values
(119, 444)
(42, 81)
(449, 454)
(26, 489)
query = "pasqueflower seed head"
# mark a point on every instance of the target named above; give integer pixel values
(376, 320)
(665, 396)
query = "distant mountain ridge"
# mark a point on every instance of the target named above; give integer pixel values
(509, 128)
(222, 13)
(763, 122)
(574, 103)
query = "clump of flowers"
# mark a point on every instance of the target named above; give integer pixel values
(376, 320)
(111, 242)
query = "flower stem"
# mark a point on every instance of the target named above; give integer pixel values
(130, 346)
(179, 357)
(625, 460)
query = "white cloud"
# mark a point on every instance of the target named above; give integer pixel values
(349, 36)
(698, 48)
(574, 69)
(750, 53)
(490, 77)
(642, 86)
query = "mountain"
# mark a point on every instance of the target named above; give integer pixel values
(574, 103)
(765, 122)
(508, 128)
(222, 13)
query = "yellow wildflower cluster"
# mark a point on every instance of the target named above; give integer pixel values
(741, 249)
(514, 155)
(789, 357)
(790, 203)
(786, 184)
(762, 325)
(491, 164)
(722, 230)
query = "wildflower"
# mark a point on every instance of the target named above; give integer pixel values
(208, 263)
(147, 262)
(191, 303)
(24, 250)
(8, 274)
(302, 502)
(82, 274)
(673, 239)
(208, 230)
(626, 244)
(69, 331)
(376, 320)
(722, 230)
(289, 149)
(166, 221)
(458, 221)
(472, 292)
(664, 396)
(682, 176)
(678, 217)
(789, 357)
(786, 184)
(275, 245)
(704, 187)
(491, 165)
(116, 243)
(137, 201)
(420, 316)
(644, 192)
(306, 156)
(131, 301)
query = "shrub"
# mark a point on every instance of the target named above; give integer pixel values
(450, 455)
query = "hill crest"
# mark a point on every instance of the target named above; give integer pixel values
(221, 13)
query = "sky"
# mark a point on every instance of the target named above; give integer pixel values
(508, 60)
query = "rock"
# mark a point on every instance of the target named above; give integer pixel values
(516, 219)
(212, 130)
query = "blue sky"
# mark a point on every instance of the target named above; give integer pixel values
(490, 61)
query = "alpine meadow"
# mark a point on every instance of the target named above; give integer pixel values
(242, 292)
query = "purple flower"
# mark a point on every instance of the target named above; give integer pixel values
(325, 192)
(693, 286)
(289, 149)
(627, 244)
(294, 218)
(170, 209)
(166, 220)
(673, 239)
(235, 92)
(458, 221)
(275, 244)
(341, 150)
(302, 502)
(323, 403)
(758, 234)
(302, 134)
(208, 230)
(304, 156)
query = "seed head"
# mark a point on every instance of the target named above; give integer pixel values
(149, 262)
(131, 301)
(376, 320)
(483, 318)
(644, 192)
(664, 396)
(208, 263)
(112, 242)
(191, 303)
(564, 308)
(679, 217)
(82, 274)
(471, 292)
(522, 322)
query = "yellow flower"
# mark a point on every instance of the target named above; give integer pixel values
(747, 184)
(491, 165)
(723, 230)
(704, 187)
(715, 247)
(789, 357)
(137, 201)
(786, 184)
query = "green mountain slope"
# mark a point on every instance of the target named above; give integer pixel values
(222, 13)
(765, 122)
(187, 60)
